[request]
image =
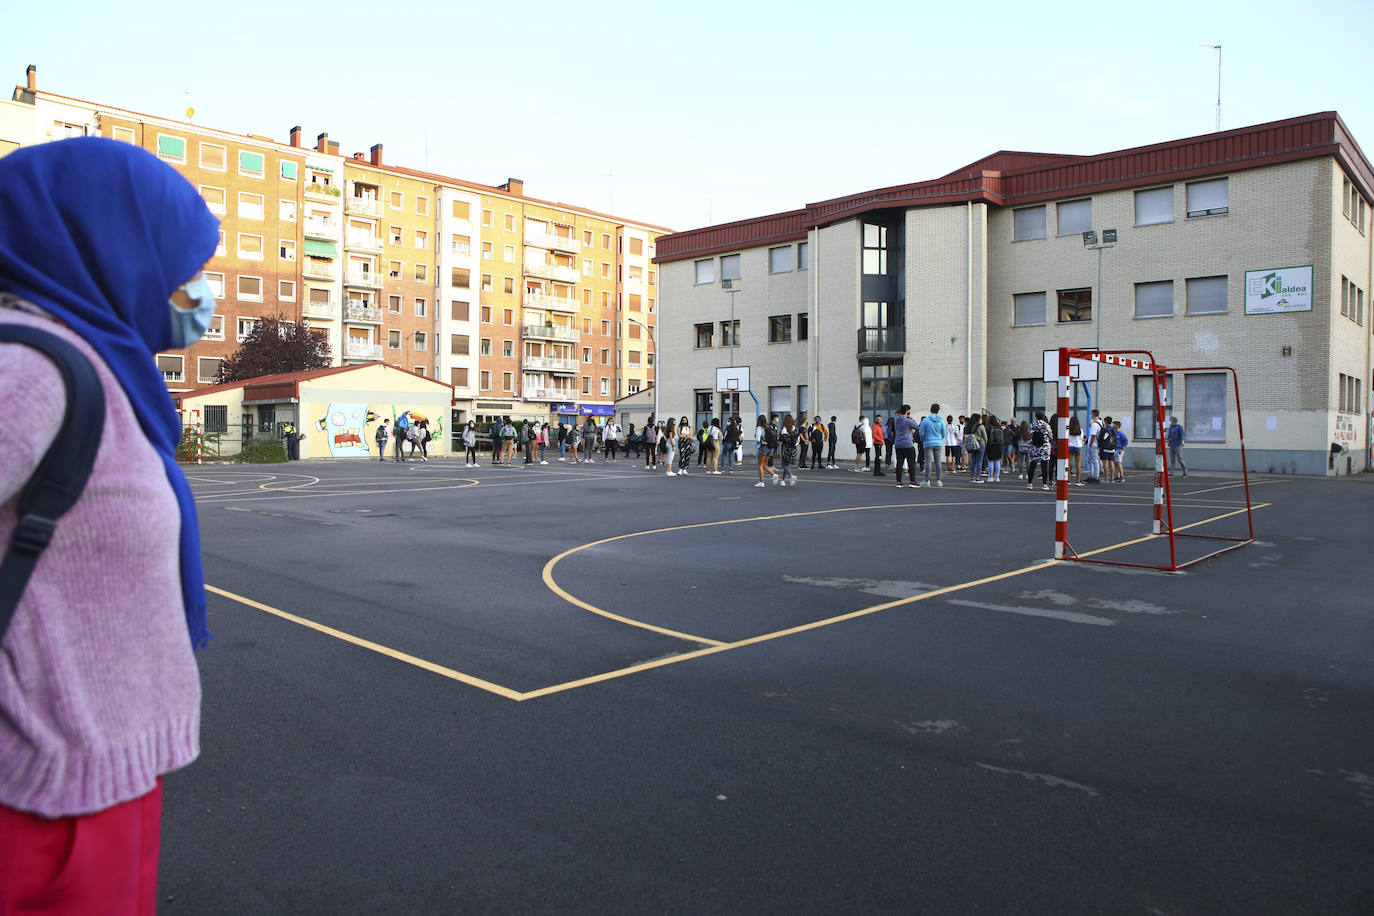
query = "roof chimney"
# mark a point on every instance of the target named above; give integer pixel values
(296, 136)
(514, 185)
(322, 143)
(377, 154)
(32, 74)
(357, 157)
(333, 148)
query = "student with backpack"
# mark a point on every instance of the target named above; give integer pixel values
(383, 434)
(932, 433)
(994, 449)
(817, 434)
(1106, 449)
(767, 441)
(975, 436)
(1039, 453)
(1121, 443)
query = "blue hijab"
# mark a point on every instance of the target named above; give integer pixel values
(100, 234)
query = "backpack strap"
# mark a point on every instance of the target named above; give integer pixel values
(61, 475)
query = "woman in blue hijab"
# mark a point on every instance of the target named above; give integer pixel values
(101, 244)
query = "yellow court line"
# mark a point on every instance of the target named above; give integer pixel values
(375, 647)
(713, 646)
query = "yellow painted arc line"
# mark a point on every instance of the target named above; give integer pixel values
(375, 647)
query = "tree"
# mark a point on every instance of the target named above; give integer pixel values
(276, 344)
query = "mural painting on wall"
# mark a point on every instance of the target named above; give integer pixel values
(349, 428)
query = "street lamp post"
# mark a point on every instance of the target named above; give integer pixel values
(1090, 242)
(729, 287)
(658, 363)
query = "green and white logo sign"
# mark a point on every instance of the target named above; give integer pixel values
(1278, 289)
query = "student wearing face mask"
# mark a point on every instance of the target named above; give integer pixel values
(101, 246)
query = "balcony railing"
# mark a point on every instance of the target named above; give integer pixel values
(362, 314)
(556, 303)
(363, 206)
(320, 270)
(318, 310)
(315, 229)
(550, 394)
(551, 271)
(553, 241)
(362, 350)
(364, 241)
(552, 331)
(361, 278)
(461, 249)
(883, 341)
(321, 190)
(548, 364)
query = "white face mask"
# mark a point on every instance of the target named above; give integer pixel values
(190, 325)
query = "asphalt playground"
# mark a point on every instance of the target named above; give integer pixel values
(596, 689)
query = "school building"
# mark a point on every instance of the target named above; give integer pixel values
(1247, 248)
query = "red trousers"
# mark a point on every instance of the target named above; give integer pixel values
(101, 863)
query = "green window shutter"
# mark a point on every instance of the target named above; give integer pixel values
(320, 249)
(171, 147)
(288, 170)
(250, 163)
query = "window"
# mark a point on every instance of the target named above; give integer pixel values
(803, 325)
(1207, 198)
(1028, 223)
(245, 328)
(510, 222)
(605, 270)
(251, 164)
(508, 316)
(484, 347)
(505, 381)
(219, 249)
(458, 344)
(286, 290)
(880, 388)
(586, 385)
(421, 306)
(286, 250)
(250, 288)
(636, 246)
(487, 254)
(124, 134)
(421, 239)
(1205, 295)
(212, 157)
(508, 284)
(706, 271)
(509, 254)
(485, 379)
(214, 198)
(779, 400)
(486, 314)
(1154, 206)
(1154, 300)
(216, 282)
(875, 250)
(173, 149)
(586, 297)
(393, 340)
(586, 267)
(486, 218)
(803, 403)
(780, 259)
(397, 200)
(422, 206)
(250, 246)
(1027, 310)
(1349, 395)
(395, 235)
(1352, 301)
(1029, 398)
(586, 236)
(393, 304)
(458, 310)
(605, 356)
(216, 329)
(605, 298)
(486, 283)
(250, 206)
(605, 387)
(1074, 217)
(779, 328)
(729, 333)
(393, 270)
(461, 210)
(605, 328)
(605, 241)
(458, 378)
(288, 171)
(1075, 305)
(421, 342)
(171, 367)
(286, 211)
(1205, 407)
(803, 256)
(586, 354)
(1144, 416)
(216, 415)
(421, 273)
(636, 304)
(460, 276)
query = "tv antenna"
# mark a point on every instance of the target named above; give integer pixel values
(1217, 48)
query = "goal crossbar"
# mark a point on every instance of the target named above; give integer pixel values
(1163, 524)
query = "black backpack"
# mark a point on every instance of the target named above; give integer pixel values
(995, 436)
(61, 475)
(770, 436)
(1038, 436)
(1106, 440)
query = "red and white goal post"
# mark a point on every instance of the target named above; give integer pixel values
(195, 449)
(1163, 501)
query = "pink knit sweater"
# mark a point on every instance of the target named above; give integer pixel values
(99, 692)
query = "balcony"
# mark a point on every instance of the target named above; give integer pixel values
(549, 364)
(319, 189)
(366, 279)
(461, 250)
(552, 331)
(319, 310)
(555, 303)
(364, 241)
(550, 394)
(362, 314)
(882, 343)
(364, 350)
(318, 229)
(550, 271)
(318, 269)
(362, 206)
(553, 241)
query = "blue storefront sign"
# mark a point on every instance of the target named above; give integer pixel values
(598, 410)
(567, 409)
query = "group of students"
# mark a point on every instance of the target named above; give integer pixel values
(416, 434)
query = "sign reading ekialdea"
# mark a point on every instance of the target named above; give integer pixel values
(1278, 289)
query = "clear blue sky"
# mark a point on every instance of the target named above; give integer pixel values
(684, 114)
